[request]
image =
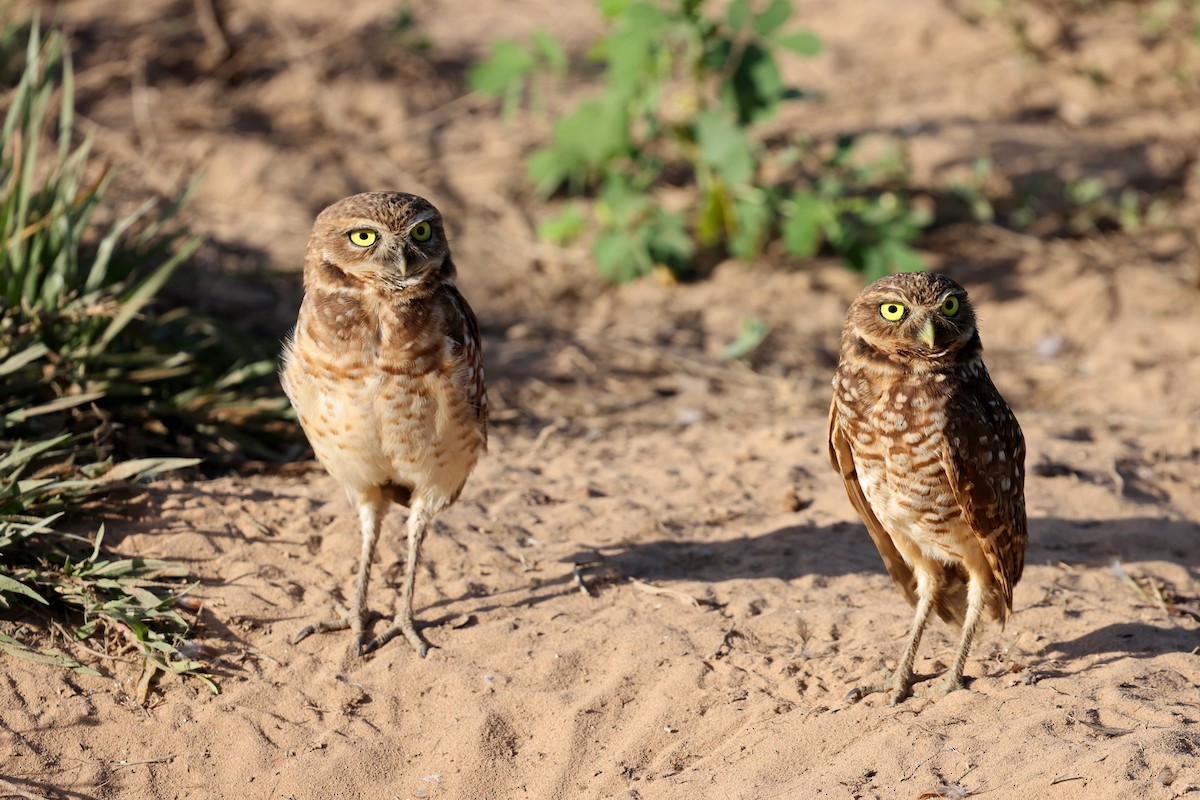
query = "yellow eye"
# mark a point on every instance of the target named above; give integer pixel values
(421, 232)
(363, 237)
(891, 311)
(950, 307)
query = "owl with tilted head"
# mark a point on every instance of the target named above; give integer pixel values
(932, 459)
(385, 371)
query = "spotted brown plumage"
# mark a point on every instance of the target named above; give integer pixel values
(932, 459)
(385, 371)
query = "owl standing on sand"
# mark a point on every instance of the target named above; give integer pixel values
(385, 371)
(932, 459)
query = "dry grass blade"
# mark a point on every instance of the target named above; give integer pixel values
(1103, 730)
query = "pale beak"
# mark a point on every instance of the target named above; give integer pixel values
(926, 334)
(403, 265)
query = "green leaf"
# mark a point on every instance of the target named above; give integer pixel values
(146, 467)
(902, 258)
(619, 258)
(548, 168)
(630, 49)
(61, 404)
(550, 51)
(508, 64)
(801, 226)
(754, 217)
(775, 14)
(716, 215)
(27, 356)
(11, 586)
(18, 649)
(738, 14)
(611, 9)
(144, 293)
(668, 242)
(754, 90)
(725, 147)
(753, 333)
(583, 142)
(805, 42)
(564, 228)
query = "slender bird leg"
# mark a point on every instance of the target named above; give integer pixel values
(371, 509)
(418, 520)
(954, 678)
(900, 682)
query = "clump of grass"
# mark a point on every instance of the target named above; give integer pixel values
(93, 370)
(124, 602)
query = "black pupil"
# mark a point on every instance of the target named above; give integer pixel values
(893, 310)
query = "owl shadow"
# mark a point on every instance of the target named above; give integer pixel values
(844, 548)
(1122, 640)
(783, 554)
(1098, 542)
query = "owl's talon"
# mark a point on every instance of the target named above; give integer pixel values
(410, 633)
(897, 687)
(951, 683)
(324, 626)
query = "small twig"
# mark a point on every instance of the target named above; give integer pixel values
(211, 25)
(100, 654)
(1098, 728)
(659, 591)
(259, 655)
(149, 670)
(543, 435)
(1057, 781)
(159, 760)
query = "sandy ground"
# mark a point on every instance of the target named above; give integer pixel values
(654, 586)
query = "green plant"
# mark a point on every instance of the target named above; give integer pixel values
(124, 601)
(94, 368)
(684, 96)
(510, 70)
(82, 344)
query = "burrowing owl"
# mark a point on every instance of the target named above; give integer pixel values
(385, 371)
(932, 459)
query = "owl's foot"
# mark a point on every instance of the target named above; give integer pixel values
(948, 684)
(410, 632)
(341, 624)
(896, 684)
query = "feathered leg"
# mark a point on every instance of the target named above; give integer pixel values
(419, 516)
(954, 678)
(372, 506)
(900, 682)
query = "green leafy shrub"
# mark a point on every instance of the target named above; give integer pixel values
(684, 96)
